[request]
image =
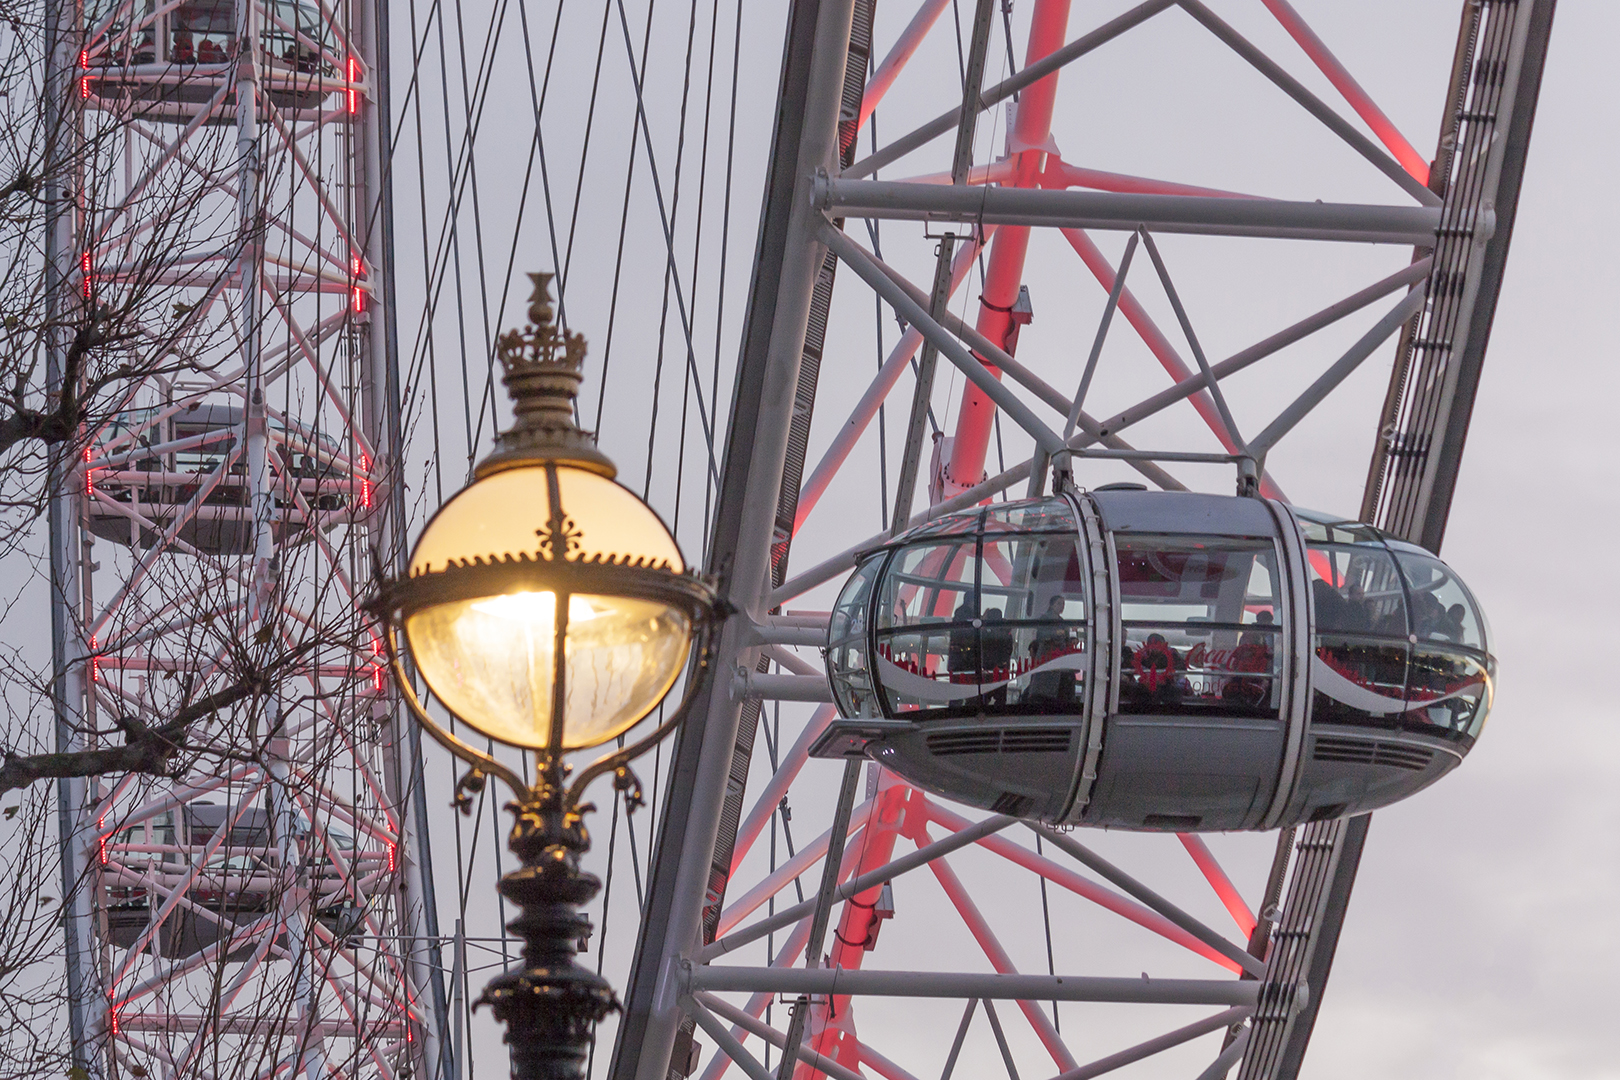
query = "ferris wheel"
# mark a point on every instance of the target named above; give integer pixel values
(1066, 658)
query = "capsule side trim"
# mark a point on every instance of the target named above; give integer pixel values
(1296, 682)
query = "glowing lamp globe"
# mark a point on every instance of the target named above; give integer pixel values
(492, 658)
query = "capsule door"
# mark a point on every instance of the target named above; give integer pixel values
(1197, 721)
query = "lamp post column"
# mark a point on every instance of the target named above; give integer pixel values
(551, 1005)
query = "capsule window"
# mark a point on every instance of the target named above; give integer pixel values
(202, 32)
(1361, 652)
(1357, 591)
(1035, 516)
(848, 664)
(1394, 648)
(1033, 634)
(1442, 610)
(1201, 626)
(1448, 692)
(967, 626)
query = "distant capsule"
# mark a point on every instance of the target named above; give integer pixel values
(1158, 660)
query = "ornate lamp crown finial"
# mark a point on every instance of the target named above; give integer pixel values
(543, 368)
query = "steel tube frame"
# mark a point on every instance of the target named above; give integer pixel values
(1188, 385)
(961, 166)
(994, 952)
(1159, 345)
(1218, 880)
(1341, 369)
(1350, 89)
(1311, 103)
(1511, 42)
(999, 360)
(1154, 900)
(1225, 1018)
(803, 859)
(789, 916)
(1032, 73)
(786, 771)
(935, 984)
(1197, 212)
(892, 200)
(1063, 877)
(900, 54)
(899, 299)
(408, 911)
(758, 1028)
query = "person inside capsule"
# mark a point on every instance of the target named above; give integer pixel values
(965, 625)
(1400, 642)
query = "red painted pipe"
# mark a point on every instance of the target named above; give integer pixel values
(1031, 134)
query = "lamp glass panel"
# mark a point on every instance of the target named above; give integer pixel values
(509, 513)
(490, 660)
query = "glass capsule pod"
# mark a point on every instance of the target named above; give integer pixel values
(1158, 660)
(175, 56)
(149, 468)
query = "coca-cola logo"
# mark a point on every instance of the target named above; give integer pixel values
(1202, 656)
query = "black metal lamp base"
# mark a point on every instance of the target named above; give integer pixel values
(550, 1005)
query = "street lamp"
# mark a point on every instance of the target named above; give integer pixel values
(547, 607)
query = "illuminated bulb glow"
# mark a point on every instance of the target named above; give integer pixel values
(84, 268)
(354, 77)
(101, 823)
(365, 483)
(491, 661)
(392, 857)
(89, 477)
(535, 608)
(359, 302)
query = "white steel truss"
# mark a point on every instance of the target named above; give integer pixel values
(264, 908)
(1186, 951)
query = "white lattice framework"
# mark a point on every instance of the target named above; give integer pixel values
(260, 912)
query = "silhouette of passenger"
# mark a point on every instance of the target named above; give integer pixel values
(996, 650)
(1253, 654)
(962, 655)
(1331, 607)
(1052, 639)
(1052, 636)
(1156, 670)
(1451, 626)
(1429, 616)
